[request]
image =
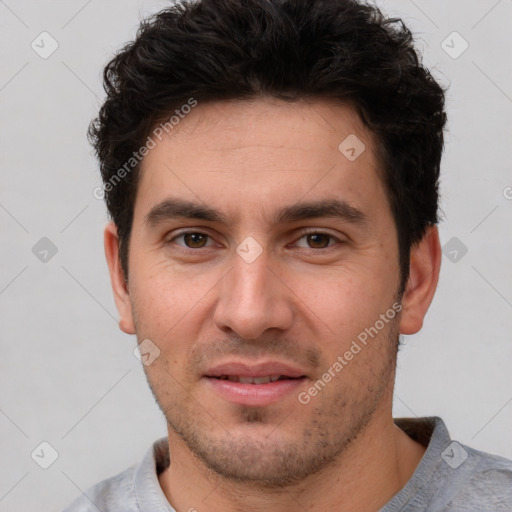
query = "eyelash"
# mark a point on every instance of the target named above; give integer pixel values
(305, 233)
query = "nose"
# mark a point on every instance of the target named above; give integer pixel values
(252, 299)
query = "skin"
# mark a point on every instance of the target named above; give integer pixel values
(303, 301)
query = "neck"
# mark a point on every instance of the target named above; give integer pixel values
(372, 469)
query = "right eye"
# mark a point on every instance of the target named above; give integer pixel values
(191, 239)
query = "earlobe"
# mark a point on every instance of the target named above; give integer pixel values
(425, 263)
(119, 286)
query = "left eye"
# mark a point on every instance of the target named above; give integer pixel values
(318, 240)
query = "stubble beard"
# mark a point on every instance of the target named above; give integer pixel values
(274, 460)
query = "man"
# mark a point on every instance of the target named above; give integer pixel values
(271, 169)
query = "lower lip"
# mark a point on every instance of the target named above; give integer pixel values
(254, 394)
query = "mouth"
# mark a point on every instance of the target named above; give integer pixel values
(254, 385)
(254, 380)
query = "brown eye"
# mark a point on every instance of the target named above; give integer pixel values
(195, 240)
(318, 240)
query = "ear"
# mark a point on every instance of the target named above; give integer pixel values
(119, 286)
(425, 264)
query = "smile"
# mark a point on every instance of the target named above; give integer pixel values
(253, 380)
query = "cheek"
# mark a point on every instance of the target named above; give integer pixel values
(169, 303)
(348, 301)
(163, 286)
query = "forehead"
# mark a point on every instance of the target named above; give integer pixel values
(253, 155)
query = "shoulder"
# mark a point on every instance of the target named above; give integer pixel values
(466, 479)
(111, 495)
(485, 482)
(133, 490)
(452, 477)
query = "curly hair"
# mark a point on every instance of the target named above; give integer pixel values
(215, 50)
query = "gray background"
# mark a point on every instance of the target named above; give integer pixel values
(68, 376)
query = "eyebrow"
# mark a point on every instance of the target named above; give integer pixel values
(179, 208)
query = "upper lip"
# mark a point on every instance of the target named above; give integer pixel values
(255, 370)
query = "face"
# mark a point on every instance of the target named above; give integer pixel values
(260, 250)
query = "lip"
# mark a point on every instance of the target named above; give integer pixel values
(254, 394)
(255, 370)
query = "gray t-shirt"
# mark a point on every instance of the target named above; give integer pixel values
(450, 477)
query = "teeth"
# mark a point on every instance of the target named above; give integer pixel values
(251, 380)
(261, 380)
